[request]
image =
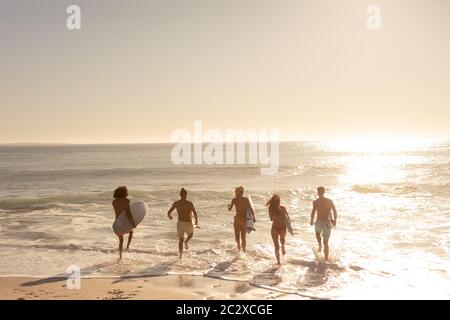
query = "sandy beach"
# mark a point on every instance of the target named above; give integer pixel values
(176, 287)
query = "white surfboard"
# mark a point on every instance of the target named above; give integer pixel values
(249, 219)
(287, 222)
(193, 221)
(123, 225)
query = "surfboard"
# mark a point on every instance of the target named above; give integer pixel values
(287, 222)
(123, 225)
(249, 219)
(193, 221)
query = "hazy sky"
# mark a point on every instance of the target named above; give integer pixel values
(137, 70)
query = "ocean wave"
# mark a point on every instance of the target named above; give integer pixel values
(317, 170)
(419, 189)
(156, 197)
(163, 196)
(165, 171)
(77, 247)
(387, 188)
(359, 188)
(21, 204)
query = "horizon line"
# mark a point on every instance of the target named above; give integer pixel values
(437, 139)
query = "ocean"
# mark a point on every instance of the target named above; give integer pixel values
(392, 238)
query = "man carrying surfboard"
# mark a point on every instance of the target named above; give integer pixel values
(242, 204)
(185, 225)
(120, 204)
(323, 206)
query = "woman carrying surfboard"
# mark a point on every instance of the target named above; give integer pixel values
(120, 204)
(278, 215)
(242, 204)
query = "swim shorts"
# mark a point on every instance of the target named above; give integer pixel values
(324, 227)
(184, 227)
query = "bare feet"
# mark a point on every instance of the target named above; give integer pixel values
(283, 250)
(127, 250)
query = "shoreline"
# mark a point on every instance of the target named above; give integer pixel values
(166, 287)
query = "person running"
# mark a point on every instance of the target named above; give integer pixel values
(184, 224)
(323, 206)
(120, 204)
(277, 214)
(242, 204)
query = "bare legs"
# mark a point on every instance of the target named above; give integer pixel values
(180, 246)
(240, 236)
(325, 245)
(189, 237)
(120, 246)
(319, 240)
(130, 236)
(278, 236)
(185, 242)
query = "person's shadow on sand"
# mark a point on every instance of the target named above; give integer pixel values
(64, 276)
(222, 267)
(316, 274)
(156, 270)
(267, 278)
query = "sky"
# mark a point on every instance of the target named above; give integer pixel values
(138, 70)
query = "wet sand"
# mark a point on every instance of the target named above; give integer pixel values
(177, 287)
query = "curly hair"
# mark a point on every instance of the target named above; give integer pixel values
(121, 192)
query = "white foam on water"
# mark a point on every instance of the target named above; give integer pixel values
(392, 237)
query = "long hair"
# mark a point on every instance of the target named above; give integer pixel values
(274, 204)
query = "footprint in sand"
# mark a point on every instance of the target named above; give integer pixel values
(117, 294)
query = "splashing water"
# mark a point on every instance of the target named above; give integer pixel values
(391, 240)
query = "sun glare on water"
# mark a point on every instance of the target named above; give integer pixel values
(374, 161)
(384, 145)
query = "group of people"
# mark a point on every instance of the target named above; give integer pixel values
(188, 219)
